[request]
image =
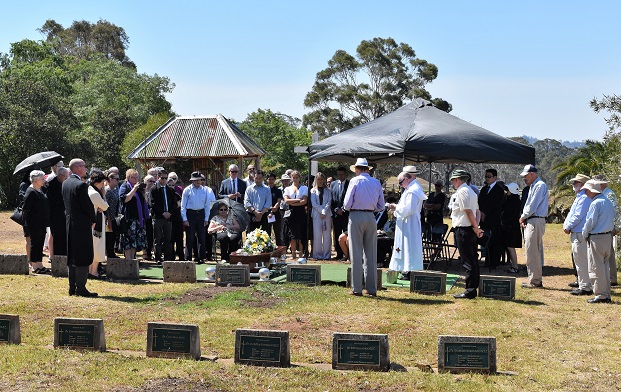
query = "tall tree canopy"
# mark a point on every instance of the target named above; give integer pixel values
(75, 96)
(380, 78)
(277, 134)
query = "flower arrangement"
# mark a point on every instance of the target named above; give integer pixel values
(257, 242)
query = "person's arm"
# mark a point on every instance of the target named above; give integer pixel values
(473, 221)
(589, 223)
(268, 200)
(327, 198)
(209, 198)
(184, 205)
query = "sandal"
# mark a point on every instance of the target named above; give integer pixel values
(41, 271)
(513, 270)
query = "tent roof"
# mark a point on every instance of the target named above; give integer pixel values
(197, 137)
(424, 134)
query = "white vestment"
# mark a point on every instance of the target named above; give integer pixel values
(407, 253)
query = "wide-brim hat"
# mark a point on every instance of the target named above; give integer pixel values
(410, 169)
(579, 178)
(285, 177)
(592, 186)
(360, 162)
(196, 176)
(513, 188)
(600, 178)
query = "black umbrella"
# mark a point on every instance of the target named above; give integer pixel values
(39, 161)
(238, 210)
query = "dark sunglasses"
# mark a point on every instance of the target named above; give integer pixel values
(233, 171)
(489, 176)
(401, 182)
(163, 178)
(223, 209)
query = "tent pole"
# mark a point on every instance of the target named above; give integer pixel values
(309, 209)
(429, 184)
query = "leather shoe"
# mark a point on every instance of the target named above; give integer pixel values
(466, 295)
(574, 284)
(71, 293)
(581, 292)
(614, 284)
(354, 293)
(85, 293)
(597, 300)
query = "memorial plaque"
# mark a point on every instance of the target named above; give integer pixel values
(262, 348)
(85, 334)
(428, 282)
(352, 351)
(304, 274)
(467, 354)
(9, 329)
(173, 340)
(499, 287)
(235, 275)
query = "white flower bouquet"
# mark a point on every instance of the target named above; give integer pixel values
(257, 242)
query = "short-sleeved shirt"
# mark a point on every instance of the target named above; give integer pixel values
(463, 199)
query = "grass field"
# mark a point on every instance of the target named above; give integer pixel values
(551, 340)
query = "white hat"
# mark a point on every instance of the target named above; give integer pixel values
(285, 177)
(513, 188)
(528, 169)
(410, 169)
(592, 186)
(361, 162)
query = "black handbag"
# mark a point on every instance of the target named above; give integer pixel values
(119, 224)
(18, 215)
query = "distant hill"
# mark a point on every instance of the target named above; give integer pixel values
(566, 143)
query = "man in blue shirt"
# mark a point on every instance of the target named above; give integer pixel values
(258, 201)
(597, 231)
(533, 220)
(195, 205)
(573, 226)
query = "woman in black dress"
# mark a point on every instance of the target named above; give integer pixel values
(510, 221)
(37, 219)
(296, 196)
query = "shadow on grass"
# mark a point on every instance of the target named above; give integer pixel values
(417, 301)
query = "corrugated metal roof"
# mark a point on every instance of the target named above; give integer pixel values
(195, 137)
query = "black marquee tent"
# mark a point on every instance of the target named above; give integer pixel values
(419, 132)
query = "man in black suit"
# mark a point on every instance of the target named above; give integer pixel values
(490, 201)
(163, 203)
(80, 218)
(341, 217)
(233, 187)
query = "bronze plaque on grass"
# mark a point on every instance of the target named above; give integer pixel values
(499, 287)
(10, 329)
(234, 275)
(351, 351)
(428, 282)
(87, 334)
(173, 340)
(262, 347)
(467, 354)
(304, 274)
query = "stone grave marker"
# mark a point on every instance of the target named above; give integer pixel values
(10, 329)
(173, 340)
(81, 334)
(499, 287)
(428, 282)
(235, 275)
(304, 274)
(59, 266)
(179, 271)
(379, 279)
(458, 354)
(123, 269)
(262, 348)
(352, 351)
(14, 265)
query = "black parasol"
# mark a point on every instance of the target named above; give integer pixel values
(40, 160)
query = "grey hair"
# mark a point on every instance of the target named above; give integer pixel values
(36, 173)
(62, 171)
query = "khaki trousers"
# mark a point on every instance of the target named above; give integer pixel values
(362, 233)
(533, 240)
(599, 270)
(579, 249)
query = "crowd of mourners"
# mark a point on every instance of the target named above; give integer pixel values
(90, 217)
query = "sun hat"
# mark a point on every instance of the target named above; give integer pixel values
(592, 186)
(410, 169)
(513, 188)
(360, 162)
(196, 176)
(459, 173)
(579, 178)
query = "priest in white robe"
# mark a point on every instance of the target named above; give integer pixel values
(407, 253)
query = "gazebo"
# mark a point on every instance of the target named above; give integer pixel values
(208, 141)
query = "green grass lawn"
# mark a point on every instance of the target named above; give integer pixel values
(550, 339)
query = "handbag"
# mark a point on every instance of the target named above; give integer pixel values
(119, 224)
(18, 215)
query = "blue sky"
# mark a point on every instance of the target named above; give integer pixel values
(528, 67)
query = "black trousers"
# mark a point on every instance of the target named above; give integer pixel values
(465, 239)
(228, 243)
(149, 227)
(276, 226)
(162, 229)
(339, 224)
(262, 224)
(37, 239)
(196, 229)
(494, 248)
(111, 238)
(177, 239)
